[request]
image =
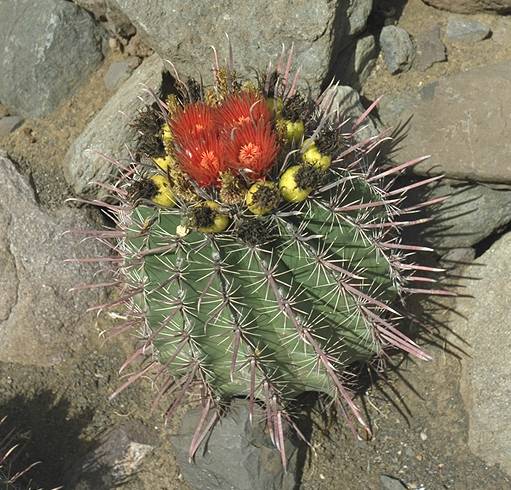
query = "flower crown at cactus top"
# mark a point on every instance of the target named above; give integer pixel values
(259, 243)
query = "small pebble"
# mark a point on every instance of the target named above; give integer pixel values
(391, 483)
(423, 436)
(113, 44)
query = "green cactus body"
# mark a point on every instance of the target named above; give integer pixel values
(261, 263)
(221, 302)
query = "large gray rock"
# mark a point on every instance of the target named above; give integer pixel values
(110, 133)
(472, 6)
(397, 47)
(356, 61)
(183, 32)
(470, 214)
(46, 50)
(461, 29)
(461, 120)
(391, 483)
(482, 321)
(41, 322)
(237, 455)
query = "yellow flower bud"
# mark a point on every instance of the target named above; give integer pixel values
(166, 135)
(294, 131)
(289, 187)
(313, 157)
(163, 196)
(164, 162)
(262, 198)
(220, 221)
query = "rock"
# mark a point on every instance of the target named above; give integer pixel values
(357, 14)
(456, 257)
(455, 124)
(391, 483)
(9, 124)
(346, 103)
(356, 62)
(472, 6)
(482, 321)
(238, 455)
(119, 71)
(110, 132)
(461, 29)
(107, 12)
(318, 30)
(41, 322)
(115, 461)
(48, 49)
(470, 214)
(397, 47)
(429, 49)
(365, 57)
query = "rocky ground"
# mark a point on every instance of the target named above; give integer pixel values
(72, 74)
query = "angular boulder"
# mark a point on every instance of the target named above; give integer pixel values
(47, 49)
(237, 454)
(184, 32)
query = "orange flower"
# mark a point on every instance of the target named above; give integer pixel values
(193, 121)
(203, 160)
(252, 147)
(240, 109)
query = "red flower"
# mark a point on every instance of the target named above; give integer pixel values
(240, 109)
(252, 147)
(203, 159)
(193, 121)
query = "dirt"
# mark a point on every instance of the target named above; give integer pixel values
(419, 426)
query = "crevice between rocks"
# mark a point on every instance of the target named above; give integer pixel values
(485, 244)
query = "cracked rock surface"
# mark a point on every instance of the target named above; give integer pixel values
(47, 49)
(40, 321)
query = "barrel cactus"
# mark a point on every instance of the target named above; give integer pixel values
(258, 245)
